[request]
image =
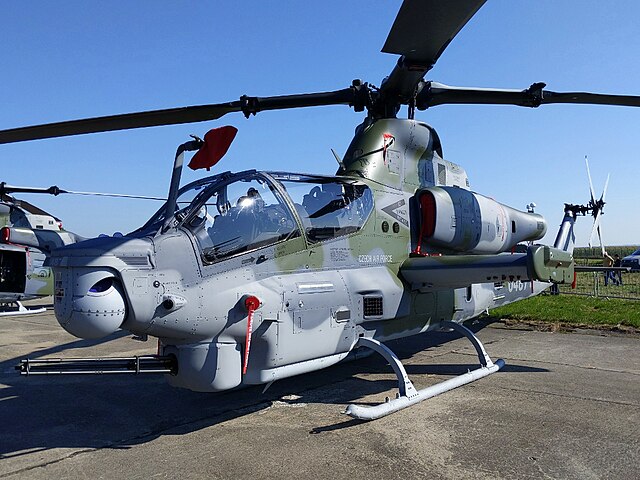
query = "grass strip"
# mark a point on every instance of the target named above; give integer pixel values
(573, 309)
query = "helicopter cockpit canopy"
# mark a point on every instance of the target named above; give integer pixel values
(328, 207)
(186, 195)
(230, 214)
(238, 216)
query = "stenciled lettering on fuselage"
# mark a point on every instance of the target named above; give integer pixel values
(397, 212)
(340, 254)
(378, 258)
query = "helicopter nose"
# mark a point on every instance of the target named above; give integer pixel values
(93, 306)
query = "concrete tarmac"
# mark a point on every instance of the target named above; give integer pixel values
(564, 406)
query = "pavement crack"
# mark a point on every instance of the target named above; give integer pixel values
(574, 397)
(51, 462)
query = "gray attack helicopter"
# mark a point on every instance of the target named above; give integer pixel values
(247, 278)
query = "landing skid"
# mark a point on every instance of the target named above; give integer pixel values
(22, 310)
(408, 395)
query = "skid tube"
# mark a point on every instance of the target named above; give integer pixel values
(408, 395)
(20, 310)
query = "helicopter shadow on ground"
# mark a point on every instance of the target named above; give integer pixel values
(106, 411)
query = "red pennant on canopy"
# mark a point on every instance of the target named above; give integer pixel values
(216, 144)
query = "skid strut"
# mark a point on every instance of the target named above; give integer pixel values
(408, 395)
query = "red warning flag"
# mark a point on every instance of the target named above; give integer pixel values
(216, 144)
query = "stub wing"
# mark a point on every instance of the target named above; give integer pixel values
(542, 263)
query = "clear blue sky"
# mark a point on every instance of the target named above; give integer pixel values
(72, 59)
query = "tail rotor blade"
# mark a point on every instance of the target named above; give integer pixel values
(593, 198)
(604, 190)
(596, 226)
(600, 238)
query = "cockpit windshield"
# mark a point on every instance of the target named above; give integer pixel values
(239, 216)
(230, 214)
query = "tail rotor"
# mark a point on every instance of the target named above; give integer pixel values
(596, 207)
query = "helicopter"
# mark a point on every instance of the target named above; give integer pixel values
(250, 277)
(28, 235)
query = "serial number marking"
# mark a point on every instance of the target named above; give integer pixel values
(517, 286)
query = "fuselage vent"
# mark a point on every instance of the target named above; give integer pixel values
(373, 306)
(135, 261)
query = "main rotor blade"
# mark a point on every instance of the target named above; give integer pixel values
(55, 190)
(9, 189)
(115, 195)
(587, 98)
(423, 28)
(118, 122)
(172, 116)
(434, 93)
(420, 33)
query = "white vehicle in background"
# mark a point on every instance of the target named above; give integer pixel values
(632, 261)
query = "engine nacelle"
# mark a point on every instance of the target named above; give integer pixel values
(459, 220)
